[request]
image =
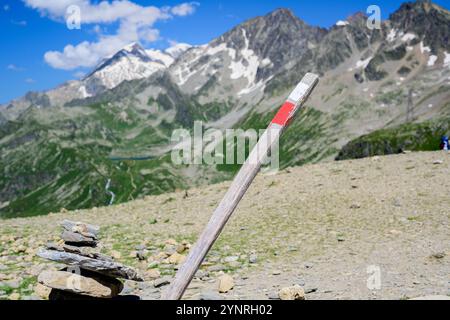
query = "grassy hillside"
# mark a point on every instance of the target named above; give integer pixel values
(424, 136)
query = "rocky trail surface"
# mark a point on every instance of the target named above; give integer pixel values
(327, 231)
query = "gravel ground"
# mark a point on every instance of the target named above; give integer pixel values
(376, 228)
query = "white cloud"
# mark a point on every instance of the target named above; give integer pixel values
(29, 80)
(184, 9)
(135, 24)
(149, 34)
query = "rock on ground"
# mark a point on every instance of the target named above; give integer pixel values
(77, 239)
(108, 268)
(84, 229)
(42, 291)
(292, 293)
(93, 286)
(226, 283)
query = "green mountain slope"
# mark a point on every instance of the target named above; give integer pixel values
(424, 136)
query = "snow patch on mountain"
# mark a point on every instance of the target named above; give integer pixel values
(408, 37)
(178, 49)
(211, 51)
(84, 92)
(342, 23)
(126, 69)
(432, 60)
(391, 36)
(134, 62)
(363, 63)
(446, 59)
(423, 48)
(159, 56)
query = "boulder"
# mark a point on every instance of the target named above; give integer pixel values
(93, 286)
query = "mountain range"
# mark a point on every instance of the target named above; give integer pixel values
(59, 148)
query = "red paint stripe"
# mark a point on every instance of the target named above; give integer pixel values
(284, 114)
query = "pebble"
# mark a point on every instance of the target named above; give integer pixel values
(42, 291)
(171, 242)
(14, 284)
(181, 248)
(231, 259)
(153, 274)
(273, 296)
(310, 290)
(292, 293)
(439, 255)
(14, 296)
(141, 255)
(216, 268)
(116, 254)
(176, 258)
(226, 283)
(201, 274)
(161, 282)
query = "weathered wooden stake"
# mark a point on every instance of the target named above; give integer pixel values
(239, 186)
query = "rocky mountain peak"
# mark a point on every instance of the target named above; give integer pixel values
(132, 50)
(278, 36)
(135, 49)
(358, 17)
(282, 15)
(426, 19)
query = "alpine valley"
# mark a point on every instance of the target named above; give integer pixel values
(110, 133)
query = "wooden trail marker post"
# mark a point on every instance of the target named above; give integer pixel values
(239, 186)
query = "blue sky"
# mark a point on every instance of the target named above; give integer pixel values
(30, 29)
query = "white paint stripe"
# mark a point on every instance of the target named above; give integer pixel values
(299, 92)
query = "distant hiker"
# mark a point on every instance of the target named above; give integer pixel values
(444, 143)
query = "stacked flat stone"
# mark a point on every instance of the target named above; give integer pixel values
(89, 274)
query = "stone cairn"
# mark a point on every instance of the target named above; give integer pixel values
(89, 274)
